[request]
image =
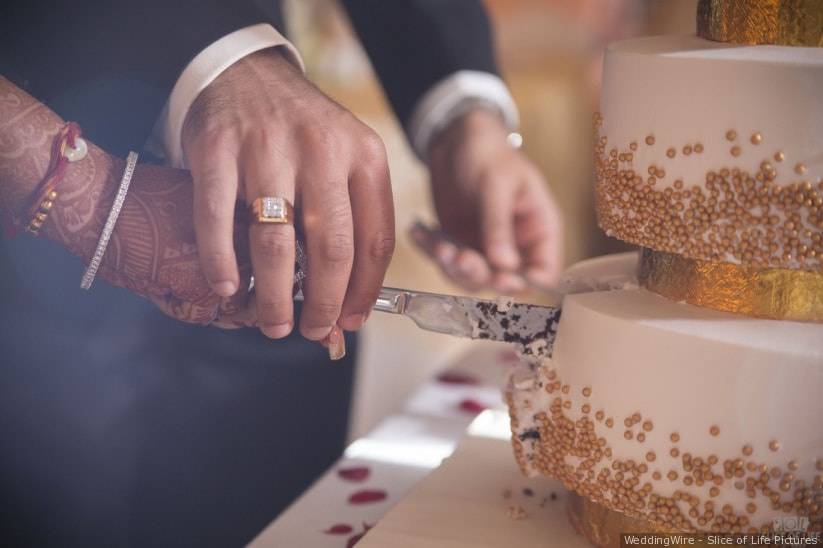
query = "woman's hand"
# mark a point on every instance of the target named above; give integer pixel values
(500, 226)
(152, 251)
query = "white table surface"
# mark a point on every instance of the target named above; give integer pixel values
(400, 452)
(478, 498)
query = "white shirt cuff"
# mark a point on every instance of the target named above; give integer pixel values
(446, 100)
(200, 72)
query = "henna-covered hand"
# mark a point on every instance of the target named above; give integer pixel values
(152, 251)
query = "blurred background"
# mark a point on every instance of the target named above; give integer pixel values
(550, 53)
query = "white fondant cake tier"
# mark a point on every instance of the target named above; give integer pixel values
(712, 150)
(693, 418)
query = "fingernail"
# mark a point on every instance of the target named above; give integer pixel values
(510, 283)
(541, 278)
(353, 322)
(225, 288)
(276, 331)
(505, 255)
(316, 333)
(335, 343)
(466, 267)
(446, 253)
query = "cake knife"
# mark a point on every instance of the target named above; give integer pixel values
(531, 328)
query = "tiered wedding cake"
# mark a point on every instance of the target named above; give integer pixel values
(694, 401)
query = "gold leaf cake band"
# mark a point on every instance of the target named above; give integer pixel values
(775, 22)
(775, 293)
(604, 527)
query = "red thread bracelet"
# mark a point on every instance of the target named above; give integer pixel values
(45, 194)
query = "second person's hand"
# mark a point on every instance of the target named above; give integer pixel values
(500, 227)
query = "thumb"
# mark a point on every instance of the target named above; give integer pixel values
(497, 224)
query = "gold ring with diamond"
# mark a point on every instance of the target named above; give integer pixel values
(272, 209)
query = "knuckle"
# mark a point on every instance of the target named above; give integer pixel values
(382, 247)
(488, 178)
(322, 139)
(337, 244)
(206, 136)
(275, 245)
(216, 262)
(273, 311)
(210, 206)
(322, 313)
(372, 148)
(337, 248)
(263, 138)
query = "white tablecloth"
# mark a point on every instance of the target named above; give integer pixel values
(378, 470)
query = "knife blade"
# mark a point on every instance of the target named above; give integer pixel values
(530, 327)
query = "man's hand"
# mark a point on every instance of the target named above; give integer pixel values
(262, 129)
(501, 227)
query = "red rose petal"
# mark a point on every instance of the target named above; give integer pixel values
(367, 496)
(453, 377)
(355, 473)
(471, 406)
(339, 529)
(354, 540)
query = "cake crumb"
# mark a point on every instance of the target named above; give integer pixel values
(517, 513)
(503, 304)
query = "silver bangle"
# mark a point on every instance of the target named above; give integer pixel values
(108, 228)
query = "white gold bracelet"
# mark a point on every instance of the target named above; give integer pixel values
(108, 228)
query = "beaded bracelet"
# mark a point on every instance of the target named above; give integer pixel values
(67, 147)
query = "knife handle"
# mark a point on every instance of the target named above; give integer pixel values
(391, 300)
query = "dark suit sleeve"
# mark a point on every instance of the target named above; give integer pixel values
(125, 55)
(413, 44)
